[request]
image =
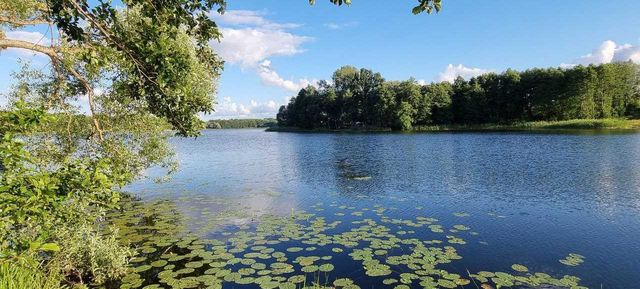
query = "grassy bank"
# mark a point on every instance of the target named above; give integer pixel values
(576, 124)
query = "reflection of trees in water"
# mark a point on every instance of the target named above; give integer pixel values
(347, 170)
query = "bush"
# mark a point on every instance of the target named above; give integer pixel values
(89, 257)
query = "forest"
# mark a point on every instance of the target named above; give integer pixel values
(241, 123)
(357, 98)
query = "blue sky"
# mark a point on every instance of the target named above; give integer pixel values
(274, 47)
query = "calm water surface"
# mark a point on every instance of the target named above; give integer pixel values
(533, 198)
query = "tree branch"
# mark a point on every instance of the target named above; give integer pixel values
(14, 43)
(53, 54)
(89, 17)
(23, 22)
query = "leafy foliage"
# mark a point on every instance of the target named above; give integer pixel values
(153, 57)
(361, 98)
(35, 199)
(241, 123)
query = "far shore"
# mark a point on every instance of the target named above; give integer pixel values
(568, 125)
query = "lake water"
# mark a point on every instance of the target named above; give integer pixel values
(523, 198)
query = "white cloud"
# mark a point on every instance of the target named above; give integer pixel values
(627, 52)
(340, 26)
(240, 17)
(452, 72)
(271, 77)
(250, 40)
(269, 107)
(250, 46)
(250, 18)
(228, 108)
(608, 52)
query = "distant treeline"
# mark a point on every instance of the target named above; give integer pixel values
(241, 123)
(362, 98)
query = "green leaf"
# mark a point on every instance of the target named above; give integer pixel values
(50, 247)
(35, 245)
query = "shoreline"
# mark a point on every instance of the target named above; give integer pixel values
(576, 125)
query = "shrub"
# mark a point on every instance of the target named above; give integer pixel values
(87, 256)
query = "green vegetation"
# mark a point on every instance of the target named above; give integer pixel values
(568, 125)
(286, 251)
(575, 124)
(241, 123)
(573, 260)
(24, 274)
(362, 99)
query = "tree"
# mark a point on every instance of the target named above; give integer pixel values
(139, 52)
(439, 96)
(143, 68)
(402, 114)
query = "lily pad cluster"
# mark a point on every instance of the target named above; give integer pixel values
(305, 250)
(573, 260)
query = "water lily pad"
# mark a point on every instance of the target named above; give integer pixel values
(310, 268)
(195, 264)
(297, 279)
(159, 263)
(342, 282)
(326, 268)
(519, 268)
(389, 281)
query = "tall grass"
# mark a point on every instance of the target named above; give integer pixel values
(577, 124)
(18, 275)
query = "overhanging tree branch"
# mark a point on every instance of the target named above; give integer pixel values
(53, 54)
(23, 22)
(15, 43)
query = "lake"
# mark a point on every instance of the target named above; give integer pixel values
(423, 210)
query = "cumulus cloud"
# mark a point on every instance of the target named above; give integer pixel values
(250, 46)
(452, 72)
(608, 52)
(250, 40)
(228, 108)
(627, 52)
(271, 77)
